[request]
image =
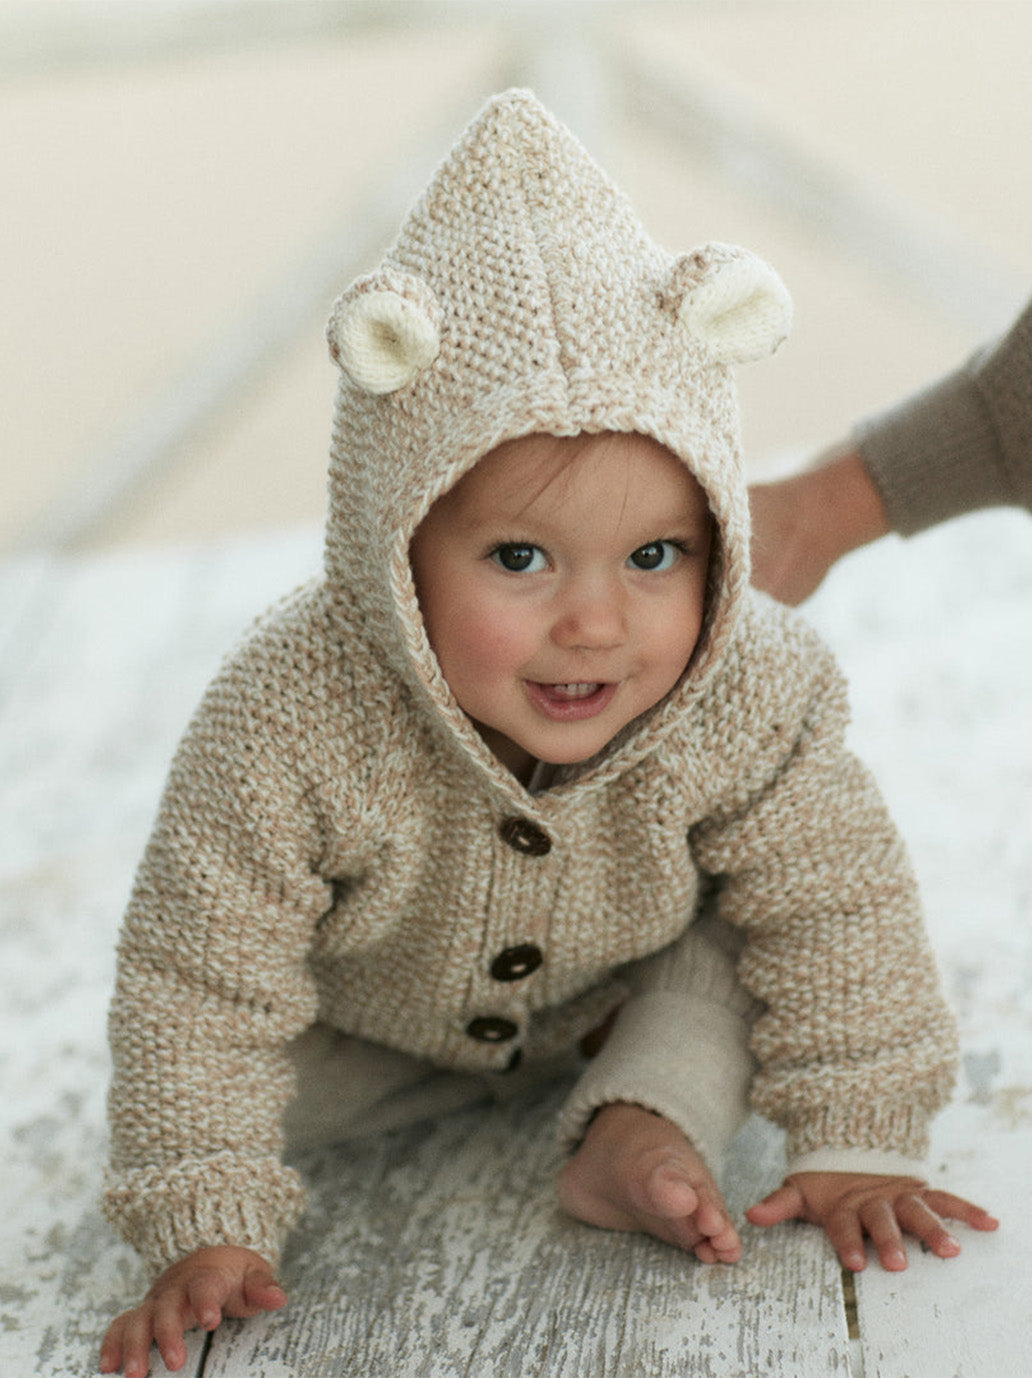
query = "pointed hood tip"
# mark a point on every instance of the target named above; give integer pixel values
(519, 109)
(516, 98)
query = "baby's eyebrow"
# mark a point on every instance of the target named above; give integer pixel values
(496, 526)
(676, 522)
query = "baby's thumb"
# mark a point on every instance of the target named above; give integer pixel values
(786, 1203)
(262, 1291)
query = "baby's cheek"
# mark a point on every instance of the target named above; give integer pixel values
(675, 636)
(478, 665)
(497, 641)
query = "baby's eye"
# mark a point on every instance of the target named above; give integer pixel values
(519, 559)
(659, 555)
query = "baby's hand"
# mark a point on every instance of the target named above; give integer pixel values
(637, 1171)
(199, 1290)
(848, 1205)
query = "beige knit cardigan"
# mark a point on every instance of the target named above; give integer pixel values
(321, 853)
(337, 843)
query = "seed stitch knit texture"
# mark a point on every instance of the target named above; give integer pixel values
(332, 844)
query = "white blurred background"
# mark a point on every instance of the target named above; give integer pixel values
(187, 184)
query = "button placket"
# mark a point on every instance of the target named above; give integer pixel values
(524, 836)
(520, 960)
(491, 1028)
(517, 963)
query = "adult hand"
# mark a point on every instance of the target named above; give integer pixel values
(801, 525)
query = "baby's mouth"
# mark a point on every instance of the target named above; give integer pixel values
(572, 702)
(567, 692)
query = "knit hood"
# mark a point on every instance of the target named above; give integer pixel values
(523, 295)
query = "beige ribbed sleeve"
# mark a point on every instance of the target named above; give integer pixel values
(853, 1049)
(211, 982)
(856, 1047)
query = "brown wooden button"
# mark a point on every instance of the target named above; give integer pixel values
(524, 836)
(491, 1028)
(513, 963)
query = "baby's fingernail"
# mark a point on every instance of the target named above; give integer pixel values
(855, 1262)
(895, 1259)
(950, 1245)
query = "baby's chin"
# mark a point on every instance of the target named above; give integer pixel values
(522, 761)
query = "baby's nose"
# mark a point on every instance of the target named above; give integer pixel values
(592, 617)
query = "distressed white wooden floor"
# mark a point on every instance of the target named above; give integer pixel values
(439, 1252)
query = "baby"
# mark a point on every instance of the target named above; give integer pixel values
(529, 782)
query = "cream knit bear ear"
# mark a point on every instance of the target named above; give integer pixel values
(384, 330)
(731, 301)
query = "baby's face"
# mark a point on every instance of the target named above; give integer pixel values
(562, 584)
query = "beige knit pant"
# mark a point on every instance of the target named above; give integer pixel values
(347, 1087)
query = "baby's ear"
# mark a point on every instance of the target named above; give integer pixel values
(731, 301)
(384, 330)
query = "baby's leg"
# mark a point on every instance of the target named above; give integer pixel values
(348, 1088)
(681, 1046)
(637, 1171)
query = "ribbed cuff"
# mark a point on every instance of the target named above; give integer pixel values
(888, 1129)
(167, 1213)
(862, 1160)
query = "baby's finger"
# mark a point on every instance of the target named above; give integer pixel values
(168, 1329)
(879, 1220)
(261, 1291)
(726, 1247)
(786, 1203)
(952, 1207)
(111, 1347)
(918, 1219)
(136, 1342)
(207, 1290)
(846, 1233)
(170, 1323)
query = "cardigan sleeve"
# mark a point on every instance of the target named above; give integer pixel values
(817, 1000)
(855, 1045)
(212, 981)
(962, 444)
